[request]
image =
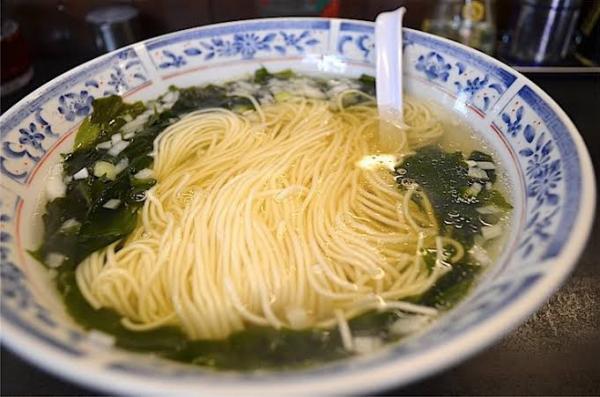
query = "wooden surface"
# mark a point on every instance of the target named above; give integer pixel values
(556, 352)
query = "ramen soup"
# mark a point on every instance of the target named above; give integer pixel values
(262, 224)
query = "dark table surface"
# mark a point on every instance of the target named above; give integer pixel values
(556, 352)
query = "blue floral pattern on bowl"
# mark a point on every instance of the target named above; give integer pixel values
(542, 148)
(244, 45)
(15, 290)
(541, 143)
(461, 73)
(434, 66)
(256, 40)
(26, 136)
(72, 105)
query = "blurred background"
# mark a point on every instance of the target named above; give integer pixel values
(556, 43)
(59, 34)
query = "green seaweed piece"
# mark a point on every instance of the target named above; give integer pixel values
(106, 119)
(87, 134)
(262, 75)
(367, 84)
(451, 287)
(444, 178)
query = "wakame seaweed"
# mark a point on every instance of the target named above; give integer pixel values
(255, 347)
(262, 75)
(79, 223)
(367, 84)
(445, 179)
(85, 197)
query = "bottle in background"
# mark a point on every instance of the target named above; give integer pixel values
(541, 32)
(471, 22)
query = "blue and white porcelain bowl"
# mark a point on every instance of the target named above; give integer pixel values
(545, 158)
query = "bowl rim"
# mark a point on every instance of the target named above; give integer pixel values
(377, 377)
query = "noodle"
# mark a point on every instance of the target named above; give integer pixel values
(266, 219)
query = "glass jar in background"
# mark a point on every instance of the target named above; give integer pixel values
(471, 22)
(541, 32)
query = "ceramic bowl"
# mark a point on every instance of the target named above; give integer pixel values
(543, 154)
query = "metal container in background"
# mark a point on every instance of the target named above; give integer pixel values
(114, 26)
(542, 31)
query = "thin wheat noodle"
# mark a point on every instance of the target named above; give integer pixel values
(256, 214)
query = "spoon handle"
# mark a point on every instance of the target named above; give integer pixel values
(388, 39)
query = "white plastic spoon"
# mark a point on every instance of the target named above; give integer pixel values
(388, 46)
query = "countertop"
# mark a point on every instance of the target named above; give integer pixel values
(556, 352)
